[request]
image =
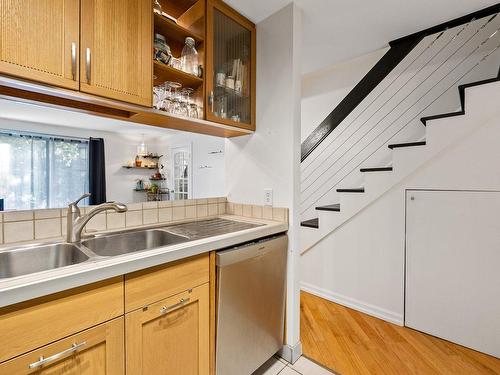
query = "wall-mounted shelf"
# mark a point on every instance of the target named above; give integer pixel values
(174, 31)
(165, 72)
(148, 168)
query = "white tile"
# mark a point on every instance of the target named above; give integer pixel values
(279, 214)
(290, 371)
(190, 212)
(202, 210)
(134, 206)
(177, 203)
(212, 209)
(189, 202)
(163, 204)
(267, 212)
(116, 220)
(1, 232)
(164, 214)
(97, 223)
(17, 216)
(230, 208)
(257, 212)
(247, 210)
(150, 216)
(18, 231)
(308, 367)
(238, 209)
(271, 367)
(202, 201)
(133, 218)
(149, 205)
(221, 208)
(178, 213)
(212, 200)
(222, 199)
(47, 228)
(47, 214)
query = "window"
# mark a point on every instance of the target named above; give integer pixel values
(41, 171)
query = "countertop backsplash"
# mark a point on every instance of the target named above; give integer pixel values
(30, 225)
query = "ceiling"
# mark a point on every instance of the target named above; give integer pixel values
(339, 30)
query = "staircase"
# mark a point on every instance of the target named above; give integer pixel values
(399, 126)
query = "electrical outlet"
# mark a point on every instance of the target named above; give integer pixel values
(268, 197)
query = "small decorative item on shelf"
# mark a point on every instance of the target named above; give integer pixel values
(139, 185)
(189, 57)
(138, 162)
(221, 78)
(154, 188)
(162, 51)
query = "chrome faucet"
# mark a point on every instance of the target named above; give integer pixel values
(76, 222)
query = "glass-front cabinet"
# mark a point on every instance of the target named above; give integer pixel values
(230, 78)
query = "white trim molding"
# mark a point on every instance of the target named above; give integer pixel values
(291, 353)
(388, 316)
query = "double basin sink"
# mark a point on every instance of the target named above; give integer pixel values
(31, 259)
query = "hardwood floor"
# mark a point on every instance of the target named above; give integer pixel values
(350, 342)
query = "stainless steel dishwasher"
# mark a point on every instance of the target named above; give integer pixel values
(250, 304)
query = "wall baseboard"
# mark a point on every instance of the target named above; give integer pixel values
(291, 353)
(377, 312)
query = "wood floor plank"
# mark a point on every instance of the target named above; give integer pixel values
(351, 343)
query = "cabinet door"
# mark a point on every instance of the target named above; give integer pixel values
(39, 40)
(230, 67)
(116, 49)
(170, 337)
(96, 351)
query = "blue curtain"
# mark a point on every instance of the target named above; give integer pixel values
(97, 171)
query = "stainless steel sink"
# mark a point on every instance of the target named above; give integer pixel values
(129, 242)
(23, 261)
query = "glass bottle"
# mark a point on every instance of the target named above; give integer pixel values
(189, 57)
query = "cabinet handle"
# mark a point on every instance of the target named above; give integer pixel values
(42, 361)
(181, 302)
(73, 60)
(87, 64)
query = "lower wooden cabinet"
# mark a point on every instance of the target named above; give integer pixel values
(170, 337)
(96, 351)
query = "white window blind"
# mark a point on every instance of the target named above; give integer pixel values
(42, 171)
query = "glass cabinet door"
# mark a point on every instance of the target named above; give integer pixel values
(230, 67)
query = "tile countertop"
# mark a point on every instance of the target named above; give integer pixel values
(23, 288)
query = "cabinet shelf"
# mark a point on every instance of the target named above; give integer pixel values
(163, 73)
(129, 167)
(173, 31)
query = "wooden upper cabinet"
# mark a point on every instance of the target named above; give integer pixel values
(230, 73)
(96, 351)
(170, 336)
(116, 49)
(39, 40)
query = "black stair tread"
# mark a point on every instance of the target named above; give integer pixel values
(376, 169)
(461, 91)
(312, 223)
(330, 207)
(409, 144)
(354, 190)
(443, 115)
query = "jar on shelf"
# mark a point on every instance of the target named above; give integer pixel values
(189, 58)
(162, 51)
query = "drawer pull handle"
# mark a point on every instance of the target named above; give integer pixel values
(73, 60)
(42, 361)
(181, 302)
(87, 65)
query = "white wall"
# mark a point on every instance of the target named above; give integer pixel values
(122, 147)
(323, 90)
(270, 157)
(361, 263)
(207, 182)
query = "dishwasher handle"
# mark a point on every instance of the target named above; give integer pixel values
(250, 251)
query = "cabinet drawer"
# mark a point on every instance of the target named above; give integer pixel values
(98, 350)
(32, 324)
(153, 284)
